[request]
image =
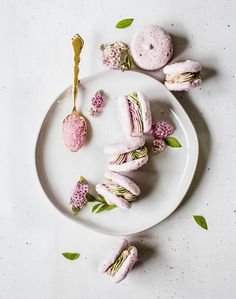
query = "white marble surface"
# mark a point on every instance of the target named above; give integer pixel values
(177, 258)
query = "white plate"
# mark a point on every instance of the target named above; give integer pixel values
(164, 180)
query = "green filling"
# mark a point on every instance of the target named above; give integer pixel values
(181, 78)
(119, 190)
(130, 156)
(118, 262)
(137, 154)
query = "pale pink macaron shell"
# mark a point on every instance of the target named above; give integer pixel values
(151, 47)
(124, 145)
(112, 255)
(127, 265)
(188, 66)
(123, 181)
(74, 132)
(183, 86)
(124, 115)
(128, 166)
(111, 198)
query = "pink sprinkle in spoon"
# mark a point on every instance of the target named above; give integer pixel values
(74, 128)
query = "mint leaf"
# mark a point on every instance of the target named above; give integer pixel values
(95, 207)
(172, 142)
(201, 221)
(71, 256)
(124, 23)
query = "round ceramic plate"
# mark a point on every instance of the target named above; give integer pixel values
(163, 181)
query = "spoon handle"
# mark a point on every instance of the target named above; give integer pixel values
(77, 44)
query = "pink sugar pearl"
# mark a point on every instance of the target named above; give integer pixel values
(74, 132)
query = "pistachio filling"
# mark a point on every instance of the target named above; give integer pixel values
(119, 262)
(119, 190)
(181, 78)
(135, 113)
(130, 156)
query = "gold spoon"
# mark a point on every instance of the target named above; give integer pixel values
(74, 128)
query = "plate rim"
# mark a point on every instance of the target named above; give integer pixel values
(194, 144)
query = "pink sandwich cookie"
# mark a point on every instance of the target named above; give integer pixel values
(151, 47)
(127, 154)
(119, 261)
(134, 114)
(183, 75)
(118, 190)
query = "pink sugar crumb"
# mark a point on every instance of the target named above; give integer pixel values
(74, 132)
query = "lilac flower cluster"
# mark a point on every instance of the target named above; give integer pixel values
(78, 197)
(160, 131)
(97, 103)
(116, 56)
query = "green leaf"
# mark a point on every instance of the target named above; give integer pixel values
(102, 198)
(95, 207)
(82, 180)
(124, 23)
(201, 221)
(102, 208)
(111, 207)
(172, 142)
(90, 197)
(71, 256)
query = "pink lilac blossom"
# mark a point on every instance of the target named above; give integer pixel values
(158, 145)
(98, 99)
(115, 55)
(161, 130)
(78, 197)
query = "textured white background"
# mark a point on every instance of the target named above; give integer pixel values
(177, 258)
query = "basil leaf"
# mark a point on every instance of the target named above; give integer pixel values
(71, 256)
(90, 197)
(95, 207)
(124, 23)
(201, 221)
(102, 208)
(172, 142)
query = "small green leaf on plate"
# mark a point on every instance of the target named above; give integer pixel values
(111, 207)
(95, 207)
(102, 208)
(102, 198)
(172, 142)
(90, 197)
(71, 256)
(201, 221)
(124, 23)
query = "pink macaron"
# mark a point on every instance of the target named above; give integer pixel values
(183, 75)
(134, 114)
(151, 47)
(118, 190)
(127, 154)
(119, 261)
